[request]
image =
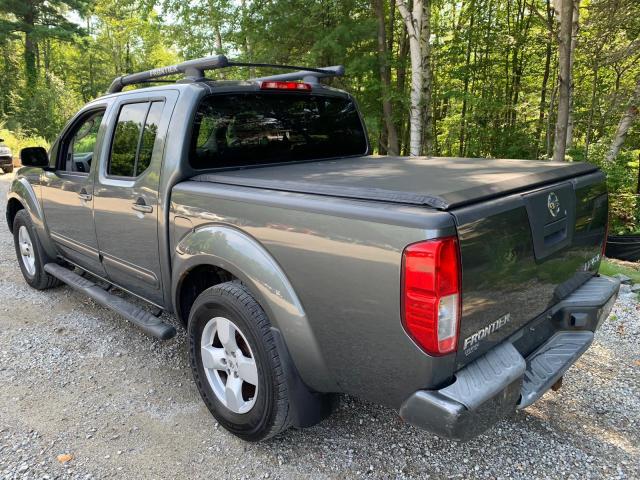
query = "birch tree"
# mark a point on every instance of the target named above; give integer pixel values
(414, 20)
(427, 82)
(625, 123)
(575, 23)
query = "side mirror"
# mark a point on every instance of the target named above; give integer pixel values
(1, 140)
(34, 157)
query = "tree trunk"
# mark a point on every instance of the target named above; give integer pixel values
(391, 27)
(638, 187)
(467, 65)
(415, 117)
(385, 80)
(625, 123)
(218, 39)
(564, 80)
(574, 41)
(552, 103)
(427, 81)
(523, 26)
(594, 89)
(413, 21)
(30, 47)
(403, 51)
(401, 85)
(545, 78)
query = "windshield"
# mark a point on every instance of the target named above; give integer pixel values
(260, 128)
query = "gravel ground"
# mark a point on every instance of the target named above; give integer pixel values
(76, 379)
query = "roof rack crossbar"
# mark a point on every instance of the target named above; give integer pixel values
(193, 71)
(308, 75)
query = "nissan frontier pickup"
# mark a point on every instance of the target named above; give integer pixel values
(453, 290)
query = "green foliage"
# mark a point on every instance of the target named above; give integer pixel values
(17, 140)
(489, 62)
(44, 109)
(611, 267)
(623, 176)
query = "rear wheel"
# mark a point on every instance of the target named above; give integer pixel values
(31, 255)
(235, 363)
(7, 169)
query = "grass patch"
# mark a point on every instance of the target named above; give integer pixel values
(611, 267)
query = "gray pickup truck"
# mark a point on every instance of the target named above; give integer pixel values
(453, 290)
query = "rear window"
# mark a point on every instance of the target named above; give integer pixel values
(261, 128)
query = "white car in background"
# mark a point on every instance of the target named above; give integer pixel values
(6, 158)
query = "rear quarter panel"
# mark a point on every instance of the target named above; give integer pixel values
(343, 259)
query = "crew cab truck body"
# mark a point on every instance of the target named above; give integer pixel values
(454, 290)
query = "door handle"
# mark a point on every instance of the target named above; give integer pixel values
(141, 206)
(84, 196)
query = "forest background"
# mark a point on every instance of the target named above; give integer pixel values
(530, 79)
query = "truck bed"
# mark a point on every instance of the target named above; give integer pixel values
(519, 259)
(442, 183)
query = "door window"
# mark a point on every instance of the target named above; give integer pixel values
(149, 137)
(133, 139)
(82, 143)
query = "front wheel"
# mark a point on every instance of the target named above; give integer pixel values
(31, 255)
(235, 363)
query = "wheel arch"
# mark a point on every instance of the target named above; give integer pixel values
(227, 253)
(13, 207)
(22, 195)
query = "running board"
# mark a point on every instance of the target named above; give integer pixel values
(148, 323)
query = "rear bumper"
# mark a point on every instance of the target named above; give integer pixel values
(502, 380)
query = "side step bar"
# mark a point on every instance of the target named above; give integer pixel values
(148, 323)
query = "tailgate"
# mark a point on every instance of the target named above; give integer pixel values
(523, 253)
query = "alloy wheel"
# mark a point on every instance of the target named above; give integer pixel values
(229, 365)
(26, 251)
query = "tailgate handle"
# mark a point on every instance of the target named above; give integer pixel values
(555, 232)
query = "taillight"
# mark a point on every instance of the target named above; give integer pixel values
(431, 301)
(275, 85)
(604, 240)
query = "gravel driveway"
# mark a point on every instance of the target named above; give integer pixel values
(76, 379)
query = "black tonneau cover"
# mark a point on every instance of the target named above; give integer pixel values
(439, 182)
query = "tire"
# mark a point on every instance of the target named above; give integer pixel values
(260, 411)
(32, 263)
(7, 169)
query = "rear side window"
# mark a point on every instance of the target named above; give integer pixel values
(133, 139)
(261, 128)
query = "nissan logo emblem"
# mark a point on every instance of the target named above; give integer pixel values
(553, 204)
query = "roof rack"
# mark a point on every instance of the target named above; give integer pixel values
(193, 71)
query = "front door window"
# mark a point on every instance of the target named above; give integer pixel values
(81, 145)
